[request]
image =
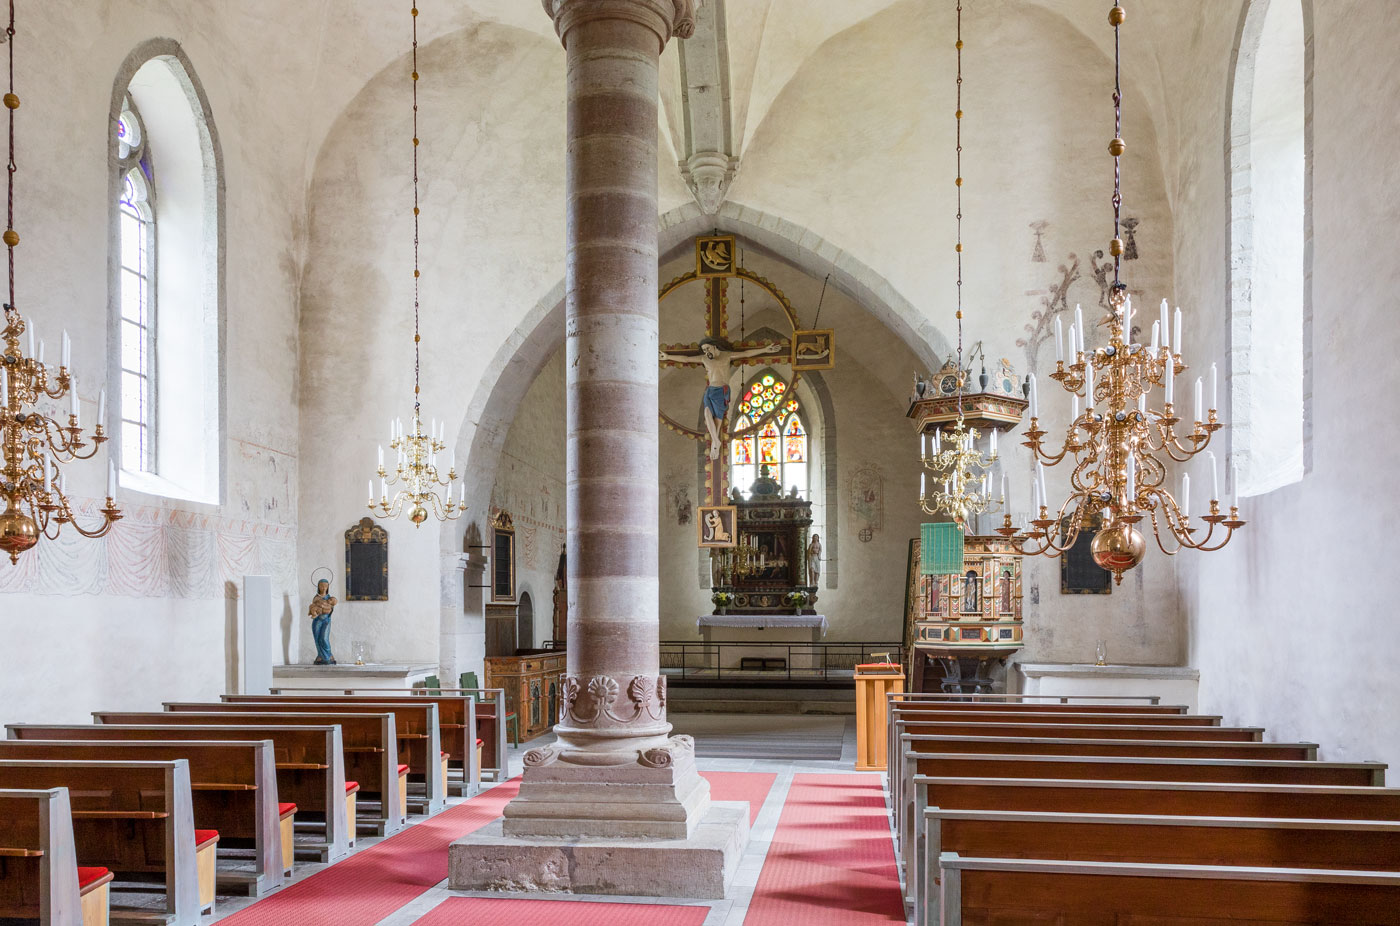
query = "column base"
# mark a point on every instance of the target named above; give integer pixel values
(700, 866)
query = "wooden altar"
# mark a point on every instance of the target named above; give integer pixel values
(532, 681)
(766, 571)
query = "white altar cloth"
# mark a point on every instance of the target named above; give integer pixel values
(817, 623)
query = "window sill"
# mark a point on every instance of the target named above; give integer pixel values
(151, 484)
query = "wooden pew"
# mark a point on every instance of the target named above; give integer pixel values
(134, 818)
(457, 724)
(489, 729)
(1030, 698)
(978, 891)
(309, 763)
(1102, 770)
(234, 786)
(1150, 799)
(1260, 842)
(369, 747)
(416, 725)
(38, 861)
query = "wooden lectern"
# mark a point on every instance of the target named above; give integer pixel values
(875, 682)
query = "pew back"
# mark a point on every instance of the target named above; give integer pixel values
(134, 818)
(38, 860)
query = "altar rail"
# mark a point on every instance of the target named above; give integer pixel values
(694, 660)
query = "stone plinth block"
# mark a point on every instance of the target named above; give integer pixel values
(701, 866)
(666, 798)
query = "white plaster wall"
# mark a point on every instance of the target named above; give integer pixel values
(147, 614)
(1291, 625)
(530, 485)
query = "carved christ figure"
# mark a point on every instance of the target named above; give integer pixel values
(717, 359)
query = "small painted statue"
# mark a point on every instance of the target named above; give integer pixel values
(322, 607)
(814, 560)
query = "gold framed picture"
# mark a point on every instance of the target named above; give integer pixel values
(813, 350)
(717, 526)
(715, 256)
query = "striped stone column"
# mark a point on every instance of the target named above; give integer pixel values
(615, 770)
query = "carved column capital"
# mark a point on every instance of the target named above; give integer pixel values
(664, 17)
(708, 174)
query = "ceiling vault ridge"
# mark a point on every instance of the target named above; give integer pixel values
(710, 154)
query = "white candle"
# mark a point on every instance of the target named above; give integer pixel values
(111, 479)
(1169, 378)
(1156, 336)
(923, 445)
(937, 441)
(391, 429)
(462, 493)
(1185, 497)
(1074, 407)
(67, 349)
(31, 342)
(1132, 481)
(1040, 476)
(1214, 477)
(1035, 398)
(102, 406)
(1088, 385)
(1128, 320)
(371, 490)
(73, 397)
(1079, 324)
(452, 461)
(47, 476)
(1176, 332)
(381, 459)
(1005, 496)
(41, 352)
(1214, 393)
(1059, 340)
(986, 491)
(1164, 323)
(1073, 343)
(1198, 399)
(1235, 483)
(994, 442)
(1142, 405)
(1035, 497)
(383, 489)
(923, 486)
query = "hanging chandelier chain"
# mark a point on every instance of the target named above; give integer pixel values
(416, 274)
(1116, 147)
(10, 166)
(958, 184)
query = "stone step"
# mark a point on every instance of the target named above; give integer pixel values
(735, 705)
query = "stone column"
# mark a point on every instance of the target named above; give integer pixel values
(615, 770)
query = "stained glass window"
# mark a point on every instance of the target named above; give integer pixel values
(136, 233)
(780, 439)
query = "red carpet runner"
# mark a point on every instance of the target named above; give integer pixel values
(831, 862)
(494, 911)
(368, 886)
(741, 786)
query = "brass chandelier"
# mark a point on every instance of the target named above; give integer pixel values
(417, 480)
(35, 438)
(961, 469)
(1118, 443)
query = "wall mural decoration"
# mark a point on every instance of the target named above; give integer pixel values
(867, 500)
(1038, 253)
(1053, 301)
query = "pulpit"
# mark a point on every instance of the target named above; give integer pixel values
(532, 684)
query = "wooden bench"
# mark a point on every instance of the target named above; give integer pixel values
(38, 862)
(369, 747)
(1073, 699)
(134, 818)
(1100, 770)
(457, 725)
(309, 763)
(979, 891)
(234, 786)
(1260, 842)
(416, 725)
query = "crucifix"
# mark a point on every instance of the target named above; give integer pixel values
(716, 262)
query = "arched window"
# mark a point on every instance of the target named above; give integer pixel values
(167, 284)
(136, 240)
(1268, 248)
(771, 432)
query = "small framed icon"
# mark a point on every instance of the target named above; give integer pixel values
(813, 350)
(718, 526)
(715, 256)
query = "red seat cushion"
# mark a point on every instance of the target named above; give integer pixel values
(89, 876)
(202, 838)
(403, 769)
(284, 809)
(351, 786)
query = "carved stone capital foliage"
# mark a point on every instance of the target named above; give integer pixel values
(664, 17)
(606, 701)
(708, 174)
